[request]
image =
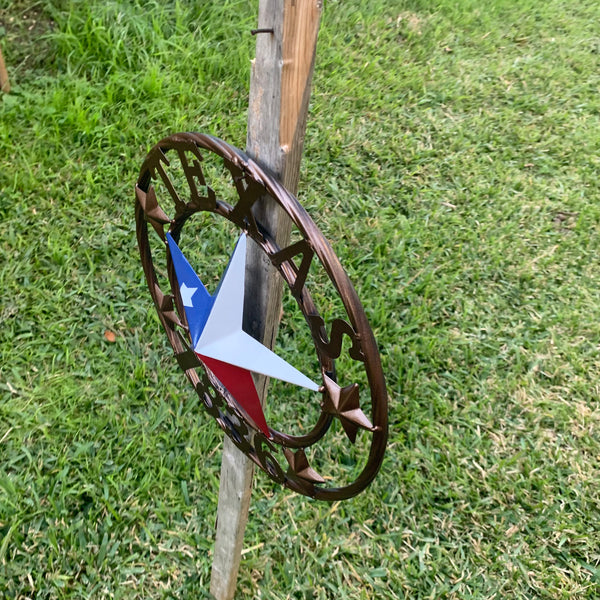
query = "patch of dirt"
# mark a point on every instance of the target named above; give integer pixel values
(565, 220)
(23, 30)
(410, 21)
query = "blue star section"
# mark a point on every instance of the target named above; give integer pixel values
(195, 297)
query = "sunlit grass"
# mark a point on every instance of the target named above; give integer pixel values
(451, 158)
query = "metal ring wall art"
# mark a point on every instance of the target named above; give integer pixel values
(205, 330)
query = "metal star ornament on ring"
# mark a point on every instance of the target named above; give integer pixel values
(207, 334)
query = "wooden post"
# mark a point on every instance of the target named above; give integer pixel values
(4, 83)
(279, 97)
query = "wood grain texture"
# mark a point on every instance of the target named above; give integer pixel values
(4, 83)
(232, 514)
(301, 27)
(277, 111)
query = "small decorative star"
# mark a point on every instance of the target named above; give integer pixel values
(186, 295)
(344, 403)
(299, 466)
(165, 304)
(154, 213)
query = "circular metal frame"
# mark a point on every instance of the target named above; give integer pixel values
(253, 183)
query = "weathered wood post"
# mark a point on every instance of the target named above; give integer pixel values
(286, 40)
(4, 83)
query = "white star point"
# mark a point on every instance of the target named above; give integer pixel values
(223, 338)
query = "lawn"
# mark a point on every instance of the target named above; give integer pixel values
(451, 158)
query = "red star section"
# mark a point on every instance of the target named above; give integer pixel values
(240, 385)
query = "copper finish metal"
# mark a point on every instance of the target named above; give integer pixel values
(280, 455)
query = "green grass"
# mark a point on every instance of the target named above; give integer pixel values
(451, 158)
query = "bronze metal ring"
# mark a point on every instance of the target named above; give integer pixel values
(284, 457)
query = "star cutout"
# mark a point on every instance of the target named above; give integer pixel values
(186, 295)
(215, 324)
(344, 403)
